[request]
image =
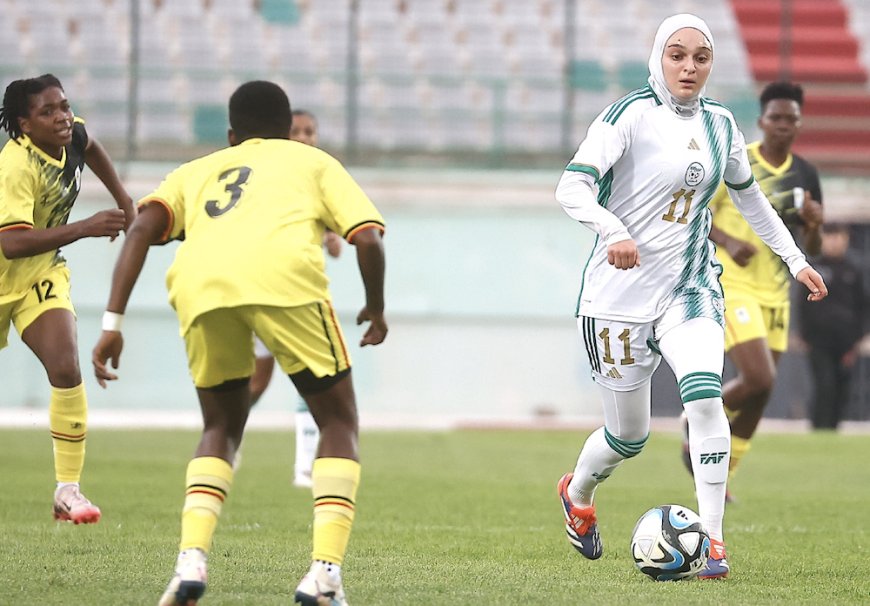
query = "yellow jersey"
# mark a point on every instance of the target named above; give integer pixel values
(766, 278)
(36, 192)
(251, 219)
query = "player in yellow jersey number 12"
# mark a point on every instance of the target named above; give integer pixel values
(40, 179)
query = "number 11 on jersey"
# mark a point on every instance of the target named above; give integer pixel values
(687, 204)
(625, 337)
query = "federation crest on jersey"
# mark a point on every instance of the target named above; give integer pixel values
(694, 174)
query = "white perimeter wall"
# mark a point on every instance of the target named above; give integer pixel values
(483, 271)
(482, 276)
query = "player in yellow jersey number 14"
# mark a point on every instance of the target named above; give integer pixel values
(757, 306)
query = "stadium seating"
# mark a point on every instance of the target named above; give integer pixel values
(495, 63)
(810, 41)
(815, 43)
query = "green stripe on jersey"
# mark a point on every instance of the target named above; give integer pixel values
(620, 106)
(619, 113)
(708, 101)
(624, 100)
(696, 256)
(744, 185)
(584, 168)
(605, 186)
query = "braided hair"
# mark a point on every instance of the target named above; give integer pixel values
(16, 101)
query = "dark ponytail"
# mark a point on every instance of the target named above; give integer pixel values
(16, 100)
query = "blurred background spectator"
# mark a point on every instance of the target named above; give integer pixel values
(833, 329)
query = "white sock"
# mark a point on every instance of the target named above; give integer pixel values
(596, 462)
(333, 570)
(307, 439)
(709, 438)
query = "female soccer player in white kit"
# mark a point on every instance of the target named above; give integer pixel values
(642, 180)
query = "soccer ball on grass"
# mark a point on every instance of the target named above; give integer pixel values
(669, 543)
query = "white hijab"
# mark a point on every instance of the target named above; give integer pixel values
(657, 81)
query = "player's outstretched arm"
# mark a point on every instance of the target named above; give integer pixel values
(147, 229)
(98, 161)
(810, 278)
(19, 243)
(372, 262)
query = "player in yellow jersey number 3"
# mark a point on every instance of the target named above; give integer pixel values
(252, 217)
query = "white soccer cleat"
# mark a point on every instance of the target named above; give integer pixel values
(302, 479)
(188, 584)
(320, 588)
(237, 460)
(70, 505)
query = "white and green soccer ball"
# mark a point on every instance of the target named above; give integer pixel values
(669, 543)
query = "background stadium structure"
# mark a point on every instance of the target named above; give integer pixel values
(457, 116)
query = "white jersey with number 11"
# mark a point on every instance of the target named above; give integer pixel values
(656, 172)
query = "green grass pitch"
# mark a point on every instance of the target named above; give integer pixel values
(465, 517)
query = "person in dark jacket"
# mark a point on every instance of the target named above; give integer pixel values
(833, 328)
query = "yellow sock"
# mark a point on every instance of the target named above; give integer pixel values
(68, 423)
(731, 414)
(335, 482)
(739, 447)
(208, 483)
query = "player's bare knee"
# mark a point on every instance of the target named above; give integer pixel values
(759, 382)
(756, 379)
(64, 372)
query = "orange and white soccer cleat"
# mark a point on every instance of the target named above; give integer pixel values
(717, 563)
(580, 523)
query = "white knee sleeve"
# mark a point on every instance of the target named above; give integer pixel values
(627, 413)
(625, 431)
